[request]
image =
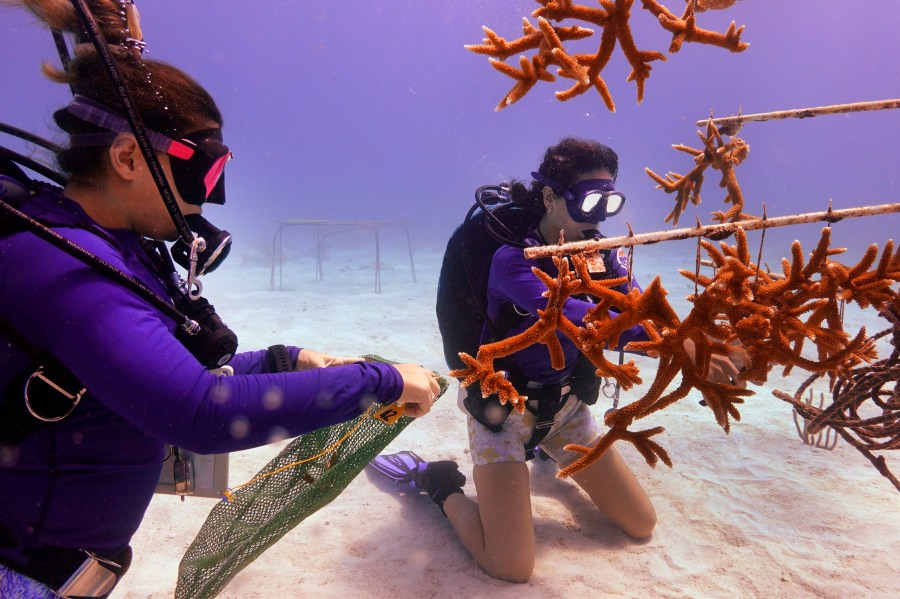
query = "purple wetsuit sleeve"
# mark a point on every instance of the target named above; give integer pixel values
(123, 350)
(86, 481)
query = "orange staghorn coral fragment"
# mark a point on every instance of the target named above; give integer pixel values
(684, 29)
(613, 18)
(767, 316)
(651, 450)
(717, 154)
(525, 77)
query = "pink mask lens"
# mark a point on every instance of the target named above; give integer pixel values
(215, 173)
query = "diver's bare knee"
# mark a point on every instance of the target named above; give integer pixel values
(641, 529)
(519, 573)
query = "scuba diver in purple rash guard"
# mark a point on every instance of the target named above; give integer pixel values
(572, 193)
(512, 282)
(75, 481)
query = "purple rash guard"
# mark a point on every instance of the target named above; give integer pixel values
(86, 481)
(511, 282)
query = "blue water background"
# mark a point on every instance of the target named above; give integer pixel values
(351, 109)
(373, 110)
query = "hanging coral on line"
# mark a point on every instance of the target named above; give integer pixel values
(613, 18)
(865, 406)
(723, 157)
(771, 317)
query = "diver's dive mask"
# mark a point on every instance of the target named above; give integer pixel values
(198, 164)
(198, 159)
(588, 201)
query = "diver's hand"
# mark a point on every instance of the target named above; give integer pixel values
(723, 369)
(309, 359)
(420, 389)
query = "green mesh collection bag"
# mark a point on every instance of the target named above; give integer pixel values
(281, 496)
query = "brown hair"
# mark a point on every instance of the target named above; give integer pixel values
(169, 100)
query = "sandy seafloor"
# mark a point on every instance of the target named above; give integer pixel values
(751, 514)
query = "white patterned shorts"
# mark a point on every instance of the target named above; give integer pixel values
(18, 586)
(574, 424)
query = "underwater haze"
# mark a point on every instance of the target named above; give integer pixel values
(374, 110)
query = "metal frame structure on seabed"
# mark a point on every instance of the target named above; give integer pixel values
(372, 225)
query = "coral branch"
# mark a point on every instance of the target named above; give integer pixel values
(613, 17)
(770, 317)
(719, 155)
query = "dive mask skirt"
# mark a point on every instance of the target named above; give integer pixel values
(197, 160)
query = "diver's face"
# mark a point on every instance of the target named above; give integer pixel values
(557, 218)
(150, 216)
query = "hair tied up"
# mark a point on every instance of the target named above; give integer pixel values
(125, 38)
(133, 23)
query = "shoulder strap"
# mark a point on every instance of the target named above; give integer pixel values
(14, 217)
(18, 340)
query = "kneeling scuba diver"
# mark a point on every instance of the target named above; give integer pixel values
(497, 217)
